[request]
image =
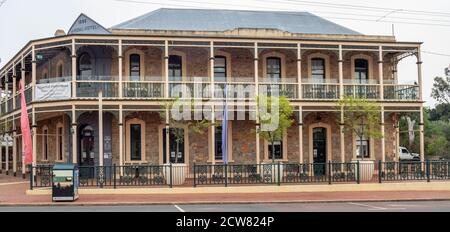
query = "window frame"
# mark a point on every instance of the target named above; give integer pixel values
(131, 66)
(224, 67)
(269, 74)
(128, 124)
(324, 68)
(45, 143)
(172, 70)
(60, 145)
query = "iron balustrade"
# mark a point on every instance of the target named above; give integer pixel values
(91, 89)
(321, 91)
(414, 170)
(401, 92)
(143, 175)
(136, 89)
(365, 91)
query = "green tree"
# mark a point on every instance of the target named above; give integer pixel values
(284, 116)
(441, 90)
(176, 126)
(438, 146)
(361, 117)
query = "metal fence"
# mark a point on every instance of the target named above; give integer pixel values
(171, 175)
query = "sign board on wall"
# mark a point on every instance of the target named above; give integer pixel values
(53, 91)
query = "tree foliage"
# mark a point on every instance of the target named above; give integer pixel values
(441, 90)
(285, 114)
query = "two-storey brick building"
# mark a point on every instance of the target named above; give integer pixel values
(99, 91)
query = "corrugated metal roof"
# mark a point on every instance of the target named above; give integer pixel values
(222, 20)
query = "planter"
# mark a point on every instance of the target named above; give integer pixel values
(179, 173)
(270, 172)
(367, 169)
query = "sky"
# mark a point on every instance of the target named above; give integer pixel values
(25, 20)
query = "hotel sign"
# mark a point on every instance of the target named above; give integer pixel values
(53, 91)
(86, 25)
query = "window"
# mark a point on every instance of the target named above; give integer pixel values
(220, 68)
(135, 67)
(274, 68)
(135, 142)
(45, 143)
(85, 67)
(318, 68)
(60, 137)
(278, 146)
(361, 70)
(218, 144)
(60, 70)
(362, 147)
(175, 68)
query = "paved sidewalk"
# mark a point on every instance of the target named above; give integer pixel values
(14, 194)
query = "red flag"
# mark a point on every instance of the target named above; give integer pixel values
(25, 128)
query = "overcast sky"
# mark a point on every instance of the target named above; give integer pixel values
(24, 20)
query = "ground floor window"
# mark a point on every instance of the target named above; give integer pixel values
(45, 142)
(218, 144)
(362, 147)
(60, 137)
(278, 147)
(135, 142)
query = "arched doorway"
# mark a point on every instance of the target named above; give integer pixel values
(319, 150)
(320, 147)
(87, 145)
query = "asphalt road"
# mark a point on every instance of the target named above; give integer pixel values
(419, 206)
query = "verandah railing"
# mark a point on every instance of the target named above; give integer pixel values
(248, 174)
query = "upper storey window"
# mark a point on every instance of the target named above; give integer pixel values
(318, 68)
(175, 68)
(220, 68)
(361, 70)
(135, 67)
(85, 67)
(274, 68)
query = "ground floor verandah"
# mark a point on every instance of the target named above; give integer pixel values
(132, 137)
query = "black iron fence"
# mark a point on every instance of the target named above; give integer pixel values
(171, 175)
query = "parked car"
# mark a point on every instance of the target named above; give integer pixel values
(405, 155)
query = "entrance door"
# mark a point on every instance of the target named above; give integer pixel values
(320, 150)
(176, 137)
(86, 157)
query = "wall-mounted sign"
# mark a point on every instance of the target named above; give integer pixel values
(53, 91)
(86, 25)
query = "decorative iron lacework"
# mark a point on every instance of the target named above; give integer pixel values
(194, 43)
(285, 45)
(319, 46)
(355, 47)
(99, 41)
(54, 44)
(233, 44)
(137, 42)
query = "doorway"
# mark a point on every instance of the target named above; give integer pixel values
(87, 144)
(320, 150)
(175, 133)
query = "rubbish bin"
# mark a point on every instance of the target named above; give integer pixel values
(65, 182)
